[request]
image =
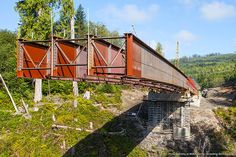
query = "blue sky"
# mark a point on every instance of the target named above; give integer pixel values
(201, 26)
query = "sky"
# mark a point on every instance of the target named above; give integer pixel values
(200, 26)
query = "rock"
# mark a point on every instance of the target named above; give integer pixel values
(90, 125)
(27, 116)
(87, 95)
(53, 118)
(21, 110)
(35, 109)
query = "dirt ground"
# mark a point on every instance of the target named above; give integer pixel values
(217, 97)
(204, 113)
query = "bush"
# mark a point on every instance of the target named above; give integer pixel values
(107, 88)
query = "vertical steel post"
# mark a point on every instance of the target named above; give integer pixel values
(88, 51)
(19, 59)
(52, 46)
(129, 54)
(52, 56)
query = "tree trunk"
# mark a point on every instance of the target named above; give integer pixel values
(72, 30)
(38, 90)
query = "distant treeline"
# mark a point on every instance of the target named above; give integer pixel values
(210, 70)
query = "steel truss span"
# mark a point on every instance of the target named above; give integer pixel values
(97, 59)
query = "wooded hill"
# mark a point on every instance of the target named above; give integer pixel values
(210, 70)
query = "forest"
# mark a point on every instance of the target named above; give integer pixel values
(210, 70)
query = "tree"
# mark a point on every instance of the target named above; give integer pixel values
(62, 26)
(159, 49)
(35, 18)
(18, 87)
(80, 22)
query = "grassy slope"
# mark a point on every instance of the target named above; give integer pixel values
(227, 117)
(35, 137)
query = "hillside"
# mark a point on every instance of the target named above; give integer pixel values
(211, 70)
(97, 127)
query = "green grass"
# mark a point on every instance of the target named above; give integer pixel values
(35, 136)
(228, 119)
(107, 95)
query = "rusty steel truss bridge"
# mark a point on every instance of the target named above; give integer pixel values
(97, 59)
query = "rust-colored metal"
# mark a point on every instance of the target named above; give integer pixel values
(32, 60)
(129, 55)
(108, 59)
(71, 59)
(94, 59)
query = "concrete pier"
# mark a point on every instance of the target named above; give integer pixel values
(167, 112)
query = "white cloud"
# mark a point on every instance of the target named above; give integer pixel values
(185, 36)
(131, 12)
(217, 10)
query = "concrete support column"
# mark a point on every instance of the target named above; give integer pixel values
(166, 111)
(38, 90)
(155, 115)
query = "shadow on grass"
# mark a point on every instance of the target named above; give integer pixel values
(118, 137)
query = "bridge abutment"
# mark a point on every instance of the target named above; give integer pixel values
(167, 113)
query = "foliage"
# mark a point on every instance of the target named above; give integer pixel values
(63, 25)
(108, 95)
(228, 117)
(107, 88)
(35, 137)
(159, 49)
(138, 152)
(56, 86)
(35, 18)
(18, 87)
(80, 22)
(211, 70)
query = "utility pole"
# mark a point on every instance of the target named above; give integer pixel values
(177, 55)
(72, 31)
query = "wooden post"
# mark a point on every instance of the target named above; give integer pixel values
(25, 106)
(8, 92)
